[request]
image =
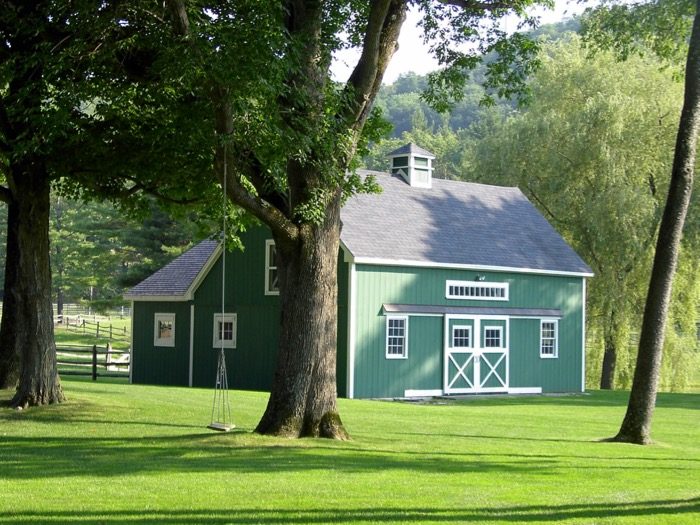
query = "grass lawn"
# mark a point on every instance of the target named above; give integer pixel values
(123, 454)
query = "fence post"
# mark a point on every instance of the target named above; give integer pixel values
(83, 326)
(97, 331)
(110, 331)
(94, 362)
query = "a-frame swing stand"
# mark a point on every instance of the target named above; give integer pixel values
(221, 410)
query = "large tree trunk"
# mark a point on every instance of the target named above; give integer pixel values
(636, 425)
(303, 395)
(9, 348)
(38, 382)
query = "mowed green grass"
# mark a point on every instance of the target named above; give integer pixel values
(125, 454)
(76, 336)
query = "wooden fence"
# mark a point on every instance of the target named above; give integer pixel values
(104, 329)
(93, 361)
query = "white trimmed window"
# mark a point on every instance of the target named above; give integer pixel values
(271, 276)
(493, 337)
(225, 326)
(476, 290)
(549, 338)
(164, 330)
(396, 337)
(462, 337)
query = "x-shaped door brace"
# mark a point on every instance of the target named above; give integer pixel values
(460, 371)
(492, 371)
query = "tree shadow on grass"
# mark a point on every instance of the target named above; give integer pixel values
(511, 514)
(23, 458)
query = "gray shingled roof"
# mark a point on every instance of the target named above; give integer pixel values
(453, 222)
(456, 223)
(411, 149)
(176, 278)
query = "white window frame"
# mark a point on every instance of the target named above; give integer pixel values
(555, 353)
(469, 330)
(473, 286)
(163, 341)
(268, 268)
(404, 354)
(500, 336)
(225, 318)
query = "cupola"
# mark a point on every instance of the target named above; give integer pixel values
(414, 164)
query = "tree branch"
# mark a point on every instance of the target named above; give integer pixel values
(381, 42)
(223, 114)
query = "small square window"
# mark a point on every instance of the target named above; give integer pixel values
(396, 337)
(549, 336)
(461, 337)
(493, 337)
(225, 326)
(164, 330)
(271, 275)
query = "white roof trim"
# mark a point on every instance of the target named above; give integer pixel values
(203, 272)
(155, 298)
(430, 264)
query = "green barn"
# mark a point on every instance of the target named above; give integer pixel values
(445, 287)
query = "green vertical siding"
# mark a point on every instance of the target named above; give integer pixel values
(154, 364)
(342, 354)
(251, 364)
(375, 375)
(421, 370)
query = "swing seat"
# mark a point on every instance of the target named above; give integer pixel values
(221, 427)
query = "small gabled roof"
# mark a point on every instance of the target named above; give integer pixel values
(178, 280)
(454, 224)
(411, 149)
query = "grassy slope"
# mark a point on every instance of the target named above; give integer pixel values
(135, 454)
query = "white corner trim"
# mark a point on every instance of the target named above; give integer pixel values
(352, 326)
(131, 345)
(583, 336)
(422, 393)
(525, 390)
(191, 368)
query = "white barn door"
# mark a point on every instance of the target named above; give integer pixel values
(476, 354)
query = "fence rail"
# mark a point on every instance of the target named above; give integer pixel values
(104, 329)
(93, 361)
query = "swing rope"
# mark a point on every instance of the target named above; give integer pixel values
(221, 409)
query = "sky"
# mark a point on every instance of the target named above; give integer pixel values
(413, 55)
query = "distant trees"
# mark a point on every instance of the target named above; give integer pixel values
(593, 151)
(97, 249)
(666, 28)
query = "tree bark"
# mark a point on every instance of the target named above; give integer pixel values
(39, 383)
(607, 375)
(636, 426)
(303, 396)
(9, 348)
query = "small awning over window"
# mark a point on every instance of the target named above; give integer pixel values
(469, 310)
